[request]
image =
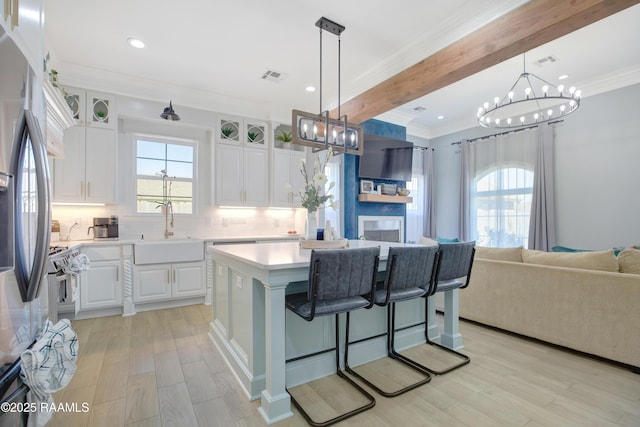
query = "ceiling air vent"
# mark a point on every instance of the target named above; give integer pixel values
(546, 60)
(419, 109)
(273, 76)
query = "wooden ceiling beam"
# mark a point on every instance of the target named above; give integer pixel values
(531, 25)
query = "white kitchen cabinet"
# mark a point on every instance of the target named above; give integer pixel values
(188, 279)
(101, 285)
(286, 179)
(92, 109)
(242, 176)
(24, 20)
(88, 171)
(242, 131)
(157, 282)
(242, 162)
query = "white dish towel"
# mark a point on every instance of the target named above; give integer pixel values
(48, 367)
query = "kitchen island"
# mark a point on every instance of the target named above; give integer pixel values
(249, 286)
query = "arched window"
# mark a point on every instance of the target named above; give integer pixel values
(503, 206)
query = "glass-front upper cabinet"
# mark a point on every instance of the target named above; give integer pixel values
(91, 108)
(242, 131)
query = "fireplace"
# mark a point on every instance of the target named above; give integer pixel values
(381, 228)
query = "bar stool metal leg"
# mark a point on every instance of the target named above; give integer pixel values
(371, 401)
(426, 377)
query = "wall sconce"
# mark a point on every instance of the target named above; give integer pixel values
(169, 114)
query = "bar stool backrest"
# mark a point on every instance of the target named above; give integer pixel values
(410, 267)
(456, 260)
(342, 273)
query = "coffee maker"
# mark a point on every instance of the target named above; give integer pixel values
(105, 228)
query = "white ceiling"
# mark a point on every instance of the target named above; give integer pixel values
(212, 54)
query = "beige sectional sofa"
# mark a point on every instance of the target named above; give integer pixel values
(588, 301)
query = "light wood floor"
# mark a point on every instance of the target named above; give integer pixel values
(159, 368)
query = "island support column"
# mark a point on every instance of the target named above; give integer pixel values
(275, 401)
(451, 335)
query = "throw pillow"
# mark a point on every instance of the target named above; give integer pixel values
(598, 260)
(566, 249)
(427, 241)
(500, 254)
(629, 261)
(446, 240)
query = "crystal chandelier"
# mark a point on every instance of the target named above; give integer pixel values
(530, 101)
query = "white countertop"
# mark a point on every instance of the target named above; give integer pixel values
(281, 255)
(75, 244)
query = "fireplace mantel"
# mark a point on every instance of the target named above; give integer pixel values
(384, 198)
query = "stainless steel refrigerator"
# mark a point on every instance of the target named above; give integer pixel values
(24, 219)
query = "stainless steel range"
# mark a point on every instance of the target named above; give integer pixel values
(62, 281)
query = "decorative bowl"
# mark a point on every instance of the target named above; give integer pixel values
(403, 192)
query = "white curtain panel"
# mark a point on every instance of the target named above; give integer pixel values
(542, 227)
(484, 156)
(429, 225)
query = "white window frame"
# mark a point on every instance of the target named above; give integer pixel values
(166, 140)
(334, 172)
(483, 237)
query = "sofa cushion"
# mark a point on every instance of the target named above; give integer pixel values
(629, 261)
(598, 260)
(500, 254)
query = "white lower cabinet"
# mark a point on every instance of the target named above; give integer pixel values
(157, 282)
(101, 285)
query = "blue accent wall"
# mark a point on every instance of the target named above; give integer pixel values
(352, 207)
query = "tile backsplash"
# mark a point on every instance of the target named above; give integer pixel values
(212, 223)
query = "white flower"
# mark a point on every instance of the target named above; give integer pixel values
(335, 204)
(319, 179)
(314, 196)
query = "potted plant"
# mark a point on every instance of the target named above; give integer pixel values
(226, 132)
(252, 136)
(285, 138)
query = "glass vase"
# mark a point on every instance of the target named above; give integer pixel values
(311, 225)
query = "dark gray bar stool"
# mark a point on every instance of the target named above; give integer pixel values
(339, 281)
(409, 274)
(453, 272)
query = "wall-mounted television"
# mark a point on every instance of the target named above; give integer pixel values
(386, 158)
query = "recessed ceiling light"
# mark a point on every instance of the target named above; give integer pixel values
(310, 88)
(564, 76)
(138, 44)
(440, 117)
